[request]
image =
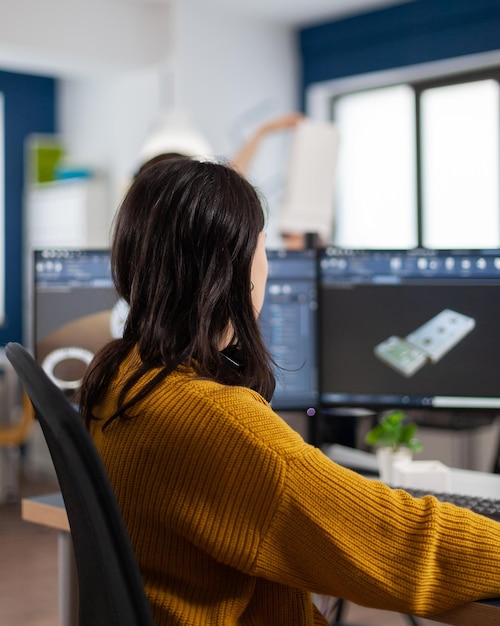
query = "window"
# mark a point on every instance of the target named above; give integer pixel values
(376, 182)
(460, 165)
(419, 164)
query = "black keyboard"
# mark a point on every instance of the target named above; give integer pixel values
(484, 506)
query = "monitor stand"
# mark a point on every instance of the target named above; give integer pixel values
(340, 425)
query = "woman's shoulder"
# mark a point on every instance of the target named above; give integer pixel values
(244, 412)
(229, 398)
(186, 409)
(185, 402)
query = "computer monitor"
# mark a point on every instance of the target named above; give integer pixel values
(76, 311)
(289, 325)
(415, 328)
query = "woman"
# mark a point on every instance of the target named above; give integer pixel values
(234, 519)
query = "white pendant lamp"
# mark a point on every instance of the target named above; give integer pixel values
(175, 132)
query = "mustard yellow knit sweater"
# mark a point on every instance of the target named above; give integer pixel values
(235, 520)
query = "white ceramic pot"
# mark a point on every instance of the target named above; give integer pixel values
(386, 457)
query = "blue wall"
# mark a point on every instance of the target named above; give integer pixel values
(29, 107)
(415, 32)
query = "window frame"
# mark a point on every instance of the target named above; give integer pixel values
(320, 97)
(419, 87)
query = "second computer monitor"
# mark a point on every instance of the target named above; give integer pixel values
(415, 328)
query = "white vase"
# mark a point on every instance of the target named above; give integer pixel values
(386, 457)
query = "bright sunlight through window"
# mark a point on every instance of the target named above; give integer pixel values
(376, 202)
(460, 165)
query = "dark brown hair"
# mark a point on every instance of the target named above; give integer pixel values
(183, 244)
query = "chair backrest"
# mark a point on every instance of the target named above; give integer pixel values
(111, 590)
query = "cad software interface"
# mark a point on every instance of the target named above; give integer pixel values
(416, 328)
(77, 311)
(288, 322)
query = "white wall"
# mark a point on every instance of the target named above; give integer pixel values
(228, 72)
(104, 121)
(235, 72)
(112, 56)
(68, 36)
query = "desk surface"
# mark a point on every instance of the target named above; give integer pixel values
(49, 510)
(471, 483)
(463, 482)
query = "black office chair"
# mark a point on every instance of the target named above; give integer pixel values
(111, 590)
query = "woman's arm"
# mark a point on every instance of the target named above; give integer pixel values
(243, 159)
(340, 534)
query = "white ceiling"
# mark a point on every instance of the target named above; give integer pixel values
(301, 12)
(293, 12)
(57, 43)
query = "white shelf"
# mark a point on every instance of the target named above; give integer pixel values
(72, 213)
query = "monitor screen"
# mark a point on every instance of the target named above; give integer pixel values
(289, 325)
(412, 328)
(76, 311)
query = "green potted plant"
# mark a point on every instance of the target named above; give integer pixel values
(394, 440)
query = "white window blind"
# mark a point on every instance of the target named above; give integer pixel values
(460, 165)
(376, 200)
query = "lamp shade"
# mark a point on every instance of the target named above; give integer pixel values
(175, 133)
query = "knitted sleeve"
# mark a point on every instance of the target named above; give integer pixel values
(340, 534)
(216, 468)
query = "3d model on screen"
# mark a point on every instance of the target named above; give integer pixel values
(428, 343)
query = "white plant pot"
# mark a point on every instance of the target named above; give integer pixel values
(386, 457)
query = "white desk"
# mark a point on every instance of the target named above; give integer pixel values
(464, 482)
(49, 510)
(472, 483)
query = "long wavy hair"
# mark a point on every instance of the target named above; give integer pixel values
(183, 243)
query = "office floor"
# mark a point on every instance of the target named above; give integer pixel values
(28, 570)
(28, 565)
